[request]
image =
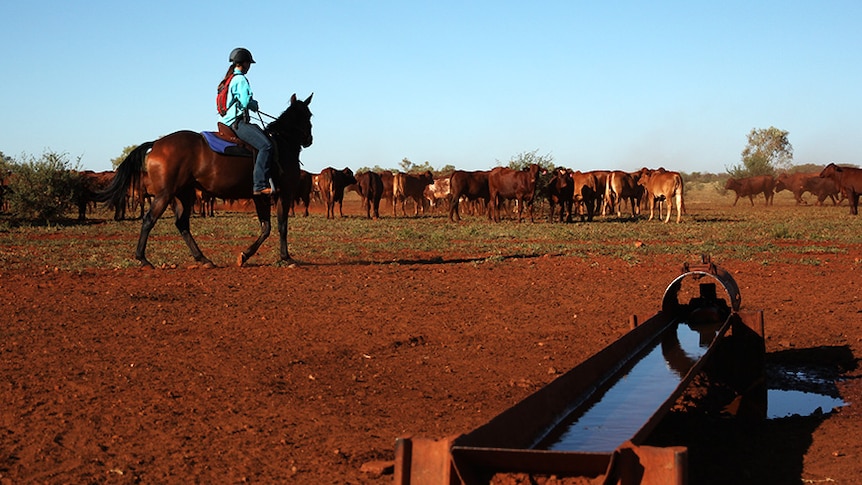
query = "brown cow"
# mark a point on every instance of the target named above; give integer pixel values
(332, 183)
(795, 183)
(751, 186)
(388, 179)
(823, 188)
(622, 186)
(520, 185)
(662, 185)
(370, 187)
(303, 192)
(470, 185)
(561, 191)
(410, 186)
(587, 193)
(848, 180)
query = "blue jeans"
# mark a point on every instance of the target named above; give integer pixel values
(254, 136)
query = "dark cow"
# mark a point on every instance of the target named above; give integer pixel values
(410, 186)
(205, 203)
(332, 183)
(587, 194)
(472, 186)
(752, 186)
(519, 185)
(370, 187)
(795, 183)
(622, 186)
(303, 192)
(560, 191)
(848, 180)
(388, 179)
(89, 183)
(823, 188)
(662, 185)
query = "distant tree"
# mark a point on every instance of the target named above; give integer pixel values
(115, 162)
(445, 171)
(768, 150)
(407, 166)
(806, 168)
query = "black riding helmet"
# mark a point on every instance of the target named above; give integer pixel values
(240, 55)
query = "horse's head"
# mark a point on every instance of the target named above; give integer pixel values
(294, 125)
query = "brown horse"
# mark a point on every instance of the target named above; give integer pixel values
(181, 162)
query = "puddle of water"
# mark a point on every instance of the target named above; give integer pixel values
(618, 413)
(782, 404)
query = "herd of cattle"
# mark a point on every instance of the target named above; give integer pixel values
(570, 193)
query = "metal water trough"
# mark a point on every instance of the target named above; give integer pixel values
(521, 439)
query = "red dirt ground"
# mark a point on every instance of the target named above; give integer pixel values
(304, 374)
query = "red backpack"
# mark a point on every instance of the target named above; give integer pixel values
(222, 95)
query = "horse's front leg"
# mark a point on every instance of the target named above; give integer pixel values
(262, 205)
(282, 234)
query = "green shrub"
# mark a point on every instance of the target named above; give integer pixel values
(43, 189)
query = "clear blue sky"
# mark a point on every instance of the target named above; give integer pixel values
(469, 83)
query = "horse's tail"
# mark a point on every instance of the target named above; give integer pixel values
(128, 175)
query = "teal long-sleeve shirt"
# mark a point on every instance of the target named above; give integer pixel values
(240, 99)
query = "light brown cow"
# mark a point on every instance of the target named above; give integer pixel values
(662, 185)
(622, 185)
(588, 193)
(437, 191)
(410, 186)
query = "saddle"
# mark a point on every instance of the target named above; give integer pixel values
(226, 142)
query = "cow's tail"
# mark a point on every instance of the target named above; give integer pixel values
(681, 189)
(128, 175)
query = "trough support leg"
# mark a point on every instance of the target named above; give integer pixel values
(420, 461)
(648, 465)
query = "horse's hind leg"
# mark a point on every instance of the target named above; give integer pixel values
(184, 208)
(157, 208)
(262, 204)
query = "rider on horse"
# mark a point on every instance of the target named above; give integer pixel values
(239, 102)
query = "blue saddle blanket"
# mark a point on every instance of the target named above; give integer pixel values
(218, 145)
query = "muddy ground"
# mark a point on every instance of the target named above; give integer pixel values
(305, 374)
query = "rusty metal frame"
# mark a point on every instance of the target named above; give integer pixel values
(506, 444)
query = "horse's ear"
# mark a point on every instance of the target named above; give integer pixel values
(293, 98)
(308, 100)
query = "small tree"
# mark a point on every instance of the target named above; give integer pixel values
(525, 159)
(43, 189)
(768, 151)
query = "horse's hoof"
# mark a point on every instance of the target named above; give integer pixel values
(241, 259)
(146, 264)
(208, 264)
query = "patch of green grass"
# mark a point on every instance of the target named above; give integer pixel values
(779, 233)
